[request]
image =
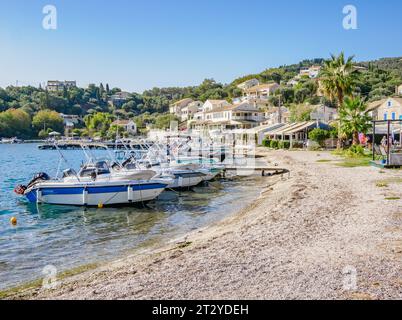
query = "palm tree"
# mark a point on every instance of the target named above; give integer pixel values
(354, 117)
(337, 81)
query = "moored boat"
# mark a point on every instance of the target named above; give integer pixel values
(42, 189)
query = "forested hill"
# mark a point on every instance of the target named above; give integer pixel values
(387, 64)
(376, 81)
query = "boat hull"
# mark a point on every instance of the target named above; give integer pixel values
(210, 173)
(95, 194)
(186, 180)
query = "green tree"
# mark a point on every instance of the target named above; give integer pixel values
(319, 135)
(98, 123)
(15, 122)
(337, 80)
(101, 89)
(45, 119)
(163, 121)
(44, 133)
(354, 118)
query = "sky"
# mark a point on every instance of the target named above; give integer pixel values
(136, 45)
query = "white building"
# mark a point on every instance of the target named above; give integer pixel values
(70, 120)
(311, 72)
(324, 113)
(274, 116)
(386, 109)
(226, 117)
(175, 108)
(210, 105)
(187, 112)
(261, 91)
(127, 125)
(119, 98)
(56, 85)
(248, 84)
(292, 82)
(399, 90)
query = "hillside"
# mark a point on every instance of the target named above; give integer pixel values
(20, 105)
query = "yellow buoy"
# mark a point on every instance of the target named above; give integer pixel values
(100, 205)
(13, 221)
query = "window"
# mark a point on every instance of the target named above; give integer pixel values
(393, 116)
(385, 116)
(390, 103)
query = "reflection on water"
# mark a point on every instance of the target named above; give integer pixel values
(66, 236)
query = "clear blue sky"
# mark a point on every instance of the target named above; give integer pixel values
(137, 44)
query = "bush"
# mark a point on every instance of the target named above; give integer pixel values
(266, 143)
(283, 144)
(44, 133)
(319, 135)
(355, 151)
(274, 144)
(297, 145)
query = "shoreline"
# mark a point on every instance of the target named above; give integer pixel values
(293, 242)
(145, 249)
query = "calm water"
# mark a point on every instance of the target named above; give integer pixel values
(66, 236)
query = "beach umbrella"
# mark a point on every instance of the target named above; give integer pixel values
(54, 133)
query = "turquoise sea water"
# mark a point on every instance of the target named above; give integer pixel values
(66, 237)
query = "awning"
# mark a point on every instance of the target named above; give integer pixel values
(265, 128)
(282, 129)
(302, 127)
(298, 127)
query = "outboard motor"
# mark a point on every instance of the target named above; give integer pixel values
(41, 176)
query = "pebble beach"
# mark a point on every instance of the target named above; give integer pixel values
(322, 232)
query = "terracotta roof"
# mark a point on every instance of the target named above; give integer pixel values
(235, 107)
(262, 87)
(376, 104)
(217, 101)
(121, 122)
(189, 100)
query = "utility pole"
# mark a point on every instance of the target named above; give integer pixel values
(280, 110)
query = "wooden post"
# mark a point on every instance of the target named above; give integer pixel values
(373, 141)
(388, 142)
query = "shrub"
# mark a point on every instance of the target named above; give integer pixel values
(297, 145)
(274, 144)
(44, 133)
(266, 143)
(283, 144)
(319, 135)
(355, 151)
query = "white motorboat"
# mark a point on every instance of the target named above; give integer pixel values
(89, 192)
